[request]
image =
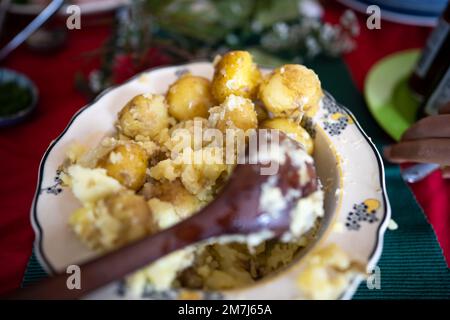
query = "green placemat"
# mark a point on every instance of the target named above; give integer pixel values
(33, 272)
(412, 265)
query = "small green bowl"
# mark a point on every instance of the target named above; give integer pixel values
(7, 75)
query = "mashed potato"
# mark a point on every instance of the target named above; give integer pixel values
(145, 178)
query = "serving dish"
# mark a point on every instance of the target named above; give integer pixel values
(356, 206)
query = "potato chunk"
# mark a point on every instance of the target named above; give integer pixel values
(113, 221)
(293, 130)
(236, 74)
(235, 112)
(145, 115)
(184, 203)
(133, 213)
(291, 88)
(190, 97)
(127, 163)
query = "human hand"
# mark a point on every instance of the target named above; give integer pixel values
(426, 141)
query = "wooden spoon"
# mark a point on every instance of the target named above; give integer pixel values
(236, 211)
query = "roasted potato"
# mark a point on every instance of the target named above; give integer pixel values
(113, 221)
(145, 115)
(291, 88)
(234, 112)
(184, 203)
(236, 74)
(190, 97)
(127, 163)
(132, 212)
(293, 130)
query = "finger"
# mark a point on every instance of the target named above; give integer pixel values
(445, 109)
(425, 151)
(429, 127)
(445, 172)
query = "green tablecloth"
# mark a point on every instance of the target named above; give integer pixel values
(412, 265)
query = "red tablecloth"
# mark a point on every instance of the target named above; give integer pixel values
(21, 147)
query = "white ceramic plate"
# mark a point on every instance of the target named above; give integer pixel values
(86, 6)
(356, 206)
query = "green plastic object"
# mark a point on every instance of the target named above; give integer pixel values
(387, 94)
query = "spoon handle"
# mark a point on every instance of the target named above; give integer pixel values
(233, 211)
(117, 264)
(48, 12)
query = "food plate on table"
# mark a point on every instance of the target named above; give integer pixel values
(329, 259)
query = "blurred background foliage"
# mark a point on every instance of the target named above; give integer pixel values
(275, 31)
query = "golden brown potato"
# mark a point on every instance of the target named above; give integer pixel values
(234, 112)
(236, 74)
(133, 214)
(185, 204)
(190, 97)
(291, 88)
(113, 221)
(145, 115)
(293, 130)
(127, 163)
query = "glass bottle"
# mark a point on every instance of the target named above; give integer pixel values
(433, 64)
